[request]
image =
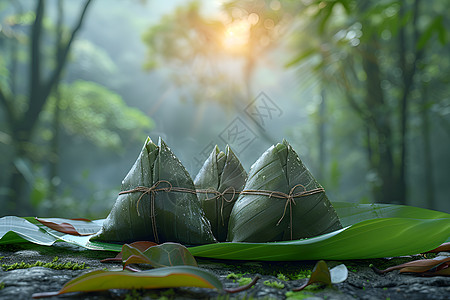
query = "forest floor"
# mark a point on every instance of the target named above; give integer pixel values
(277, 278)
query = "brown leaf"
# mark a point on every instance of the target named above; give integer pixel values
(68, 226)
(164, 255)
(445, 247)
(442, 272)
(418, 266)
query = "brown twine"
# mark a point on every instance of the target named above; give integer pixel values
(289, 198)
(151, 191)
(230, 190)
(220, 195)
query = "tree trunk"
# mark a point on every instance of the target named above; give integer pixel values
(427, 153)
(385, 188)
(22, 127)
(18, 186)
(322, 137)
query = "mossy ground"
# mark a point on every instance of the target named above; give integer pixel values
(54, 264)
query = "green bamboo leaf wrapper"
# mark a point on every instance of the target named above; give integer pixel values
(178, 216)
(256, 218)
(221, 172)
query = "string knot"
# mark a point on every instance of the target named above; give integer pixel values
(220, 195)
(150, 191)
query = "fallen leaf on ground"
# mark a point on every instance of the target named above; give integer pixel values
(438, 266)
(445, 247)
(141, 245)
(164, 255)
(321, 274)
(179, 276)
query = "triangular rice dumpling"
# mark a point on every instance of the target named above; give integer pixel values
(219, 182)
(264, 212)
(151, 206)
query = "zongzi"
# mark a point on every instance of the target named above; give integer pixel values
(157, 203)
(218, 184)
(281, 201)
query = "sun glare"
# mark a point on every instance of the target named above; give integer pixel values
(237, 35)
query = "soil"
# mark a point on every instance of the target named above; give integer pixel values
(362, 282)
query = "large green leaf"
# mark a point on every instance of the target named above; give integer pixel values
(17, 230)
(374, 230)
(352, 213)
(384, 237)
(153, 279)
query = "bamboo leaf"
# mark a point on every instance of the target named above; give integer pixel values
(17, 230)
(149, 206)
(128, 222)
(375, 238)
(352, 213)
(223, 175)
(373, 230)
(267, 209)
(181, 218)
(169, 277)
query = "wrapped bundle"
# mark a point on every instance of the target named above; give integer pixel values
(218, 184)
(157, 203)
(281, 201)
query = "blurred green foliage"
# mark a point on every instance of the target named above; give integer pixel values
(100, 115)
(47, 116)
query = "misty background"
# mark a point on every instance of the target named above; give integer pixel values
(360, 89)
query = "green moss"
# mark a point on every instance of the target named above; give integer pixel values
(274, 284)
(2, 285)
(302, 274)
(234, 276)
(282, 277)
(51, 265)
(244, 281)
